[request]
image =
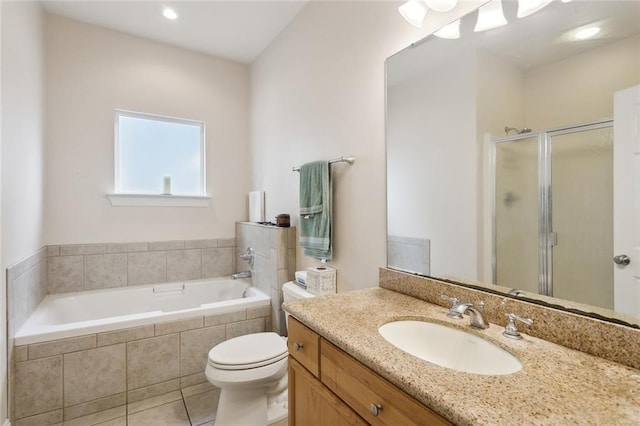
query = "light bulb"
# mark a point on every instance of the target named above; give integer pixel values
(451, 31)
(413, 11)
(441, 5)
(490, 16)
(169, 13)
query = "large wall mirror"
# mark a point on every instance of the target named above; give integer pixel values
(512, 162)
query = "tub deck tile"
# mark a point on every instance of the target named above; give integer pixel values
(126, 335)
(153, 390)
(153, 360)
(154, 401)
(93, 407)
(170, 327)
(98, 418)
(195, 345)
(94, 374)
(49, 418)
(38, 386)
(62, 346)
(220, 319)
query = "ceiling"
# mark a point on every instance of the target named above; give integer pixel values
(539, 39)
(238, 30)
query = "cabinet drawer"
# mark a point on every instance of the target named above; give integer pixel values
(304, 345)
(361, 388)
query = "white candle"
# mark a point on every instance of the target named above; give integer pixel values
(167, 185)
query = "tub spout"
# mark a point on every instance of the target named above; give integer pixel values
(243, 274)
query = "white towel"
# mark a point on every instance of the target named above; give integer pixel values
(256, 206)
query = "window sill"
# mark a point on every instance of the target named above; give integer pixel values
(144, 200)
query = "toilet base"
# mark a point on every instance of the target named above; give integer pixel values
(251, 407)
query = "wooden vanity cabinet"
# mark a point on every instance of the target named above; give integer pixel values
(329, 387)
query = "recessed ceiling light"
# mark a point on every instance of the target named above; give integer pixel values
(169, 13)
(586, 33)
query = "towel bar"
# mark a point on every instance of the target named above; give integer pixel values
(350, 159)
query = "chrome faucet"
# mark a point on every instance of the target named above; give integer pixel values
(475, 312)
(243, 274)
(247, 256)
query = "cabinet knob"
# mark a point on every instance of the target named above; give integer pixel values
(297, 346)
(375, 409)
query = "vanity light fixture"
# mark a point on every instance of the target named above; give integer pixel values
(585, 33)
(490, 16)
(451, 31)
(414, 11)
(169, 13)
(441, 5)
(528, 7)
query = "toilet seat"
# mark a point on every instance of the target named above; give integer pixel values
(248, 351)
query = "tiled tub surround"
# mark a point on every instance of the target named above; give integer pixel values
(79, 267)
(26, 288)
(557, 385)
(102, 376)
(617, 343)
(274, 261)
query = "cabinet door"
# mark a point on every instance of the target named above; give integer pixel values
(312, 404)
(378, 401)
(304, 345)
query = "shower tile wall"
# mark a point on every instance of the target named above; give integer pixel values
(274, 262)
(97, 266)
(94, 375)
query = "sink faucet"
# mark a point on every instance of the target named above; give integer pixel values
(243, 274)
(475, 313)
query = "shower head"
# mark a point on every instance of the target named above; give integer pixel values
(508, 129)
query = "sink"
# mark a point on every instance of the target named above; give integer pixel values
(450, 347)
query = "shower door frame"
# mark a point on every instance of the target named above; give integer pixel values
(546, 237)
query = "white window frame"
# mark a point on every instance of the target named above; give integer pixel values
(119, 198)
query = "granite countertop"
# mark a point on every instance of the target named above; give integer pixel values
(556, 385)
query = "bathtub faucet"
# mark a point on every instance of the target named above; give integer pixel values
(243, 274)
(247, 256)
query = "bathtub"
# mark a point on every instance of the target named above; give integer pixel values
(75, 314)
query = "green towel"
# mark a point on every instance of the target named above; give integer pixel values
(315, 209)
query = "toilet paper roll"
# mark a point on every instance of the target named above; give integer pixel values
(321, 280)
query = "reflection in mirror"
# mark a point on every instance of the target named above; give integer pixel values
(507, 166)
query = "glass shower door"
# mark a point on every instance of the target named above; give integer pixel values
(582, 214)
(516, 213)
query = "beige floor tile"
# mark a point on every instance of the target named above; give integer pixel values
(202, 407)
(172, 414)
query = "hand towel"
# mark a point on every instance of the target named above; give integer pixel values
(315, 209)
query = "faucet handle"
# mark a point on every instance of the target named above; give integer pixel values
(510, 330)
(453, 300)
(454, 303)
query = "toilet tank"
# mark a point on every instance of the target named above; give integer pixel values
(291, 291)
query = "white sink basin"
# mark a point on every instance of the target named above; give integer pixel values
(449, 347)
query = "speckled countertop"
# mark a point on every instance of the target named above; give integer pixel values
(557, 385)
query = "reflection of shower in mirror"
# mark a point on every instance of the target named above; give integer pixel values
(508, 129)
(509, 198)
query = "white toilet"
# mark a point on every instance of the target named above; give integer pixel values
(251, 372)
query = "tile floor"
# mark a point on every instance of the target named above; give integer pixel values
(170, 409)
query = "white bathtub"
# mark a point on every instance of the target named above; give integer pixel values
(74, 314)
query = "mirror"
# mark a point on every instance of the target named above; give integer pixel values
(500, 157)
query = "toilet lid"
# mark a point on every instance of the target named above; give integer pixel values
(248, 351)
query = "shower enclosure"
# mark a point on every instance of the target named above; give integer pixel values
(553, 212)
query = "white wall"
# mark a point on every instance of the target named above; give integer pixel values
(22, 147)
(563, 93)
(430, 145)
(318, 93)
(90, 71)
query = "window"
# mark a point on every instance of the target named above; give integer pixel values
(159, 156)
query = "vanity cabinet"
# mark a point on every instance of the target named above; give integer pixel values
(329, 387)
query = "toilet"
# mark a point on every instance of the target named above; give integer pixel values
(251, 372)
